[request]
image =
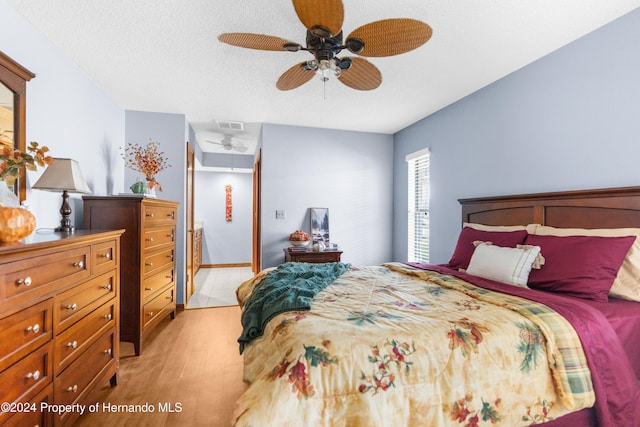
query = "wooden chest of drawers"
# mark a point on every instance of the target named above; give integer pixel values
(148, 269)
(59, 328)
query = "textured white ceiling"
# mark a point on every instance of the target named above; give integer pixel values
(164, 55)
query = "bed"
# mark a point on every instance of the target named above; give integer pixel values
(451, 345)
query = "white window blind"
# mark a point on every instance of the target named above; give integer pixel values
(418, 205)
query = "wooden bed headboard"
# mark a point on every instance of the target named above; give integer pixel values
(601, 208)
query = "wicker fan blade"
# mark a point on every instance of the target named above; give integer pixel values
(255, 41)
(392, 36)
(294, 77)
(362, 75)
(324, 13)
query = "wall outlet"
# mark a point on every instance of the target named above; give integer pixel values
(281, 214)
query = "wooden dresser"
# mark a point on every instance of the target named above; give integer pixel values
(59, 339)
(148, 266)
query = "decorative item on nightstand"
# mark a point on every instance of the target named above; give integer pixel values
(63, 175)
(299, 239)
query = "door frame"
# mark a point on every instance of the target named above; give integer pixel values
(190, 193)
(256, 258)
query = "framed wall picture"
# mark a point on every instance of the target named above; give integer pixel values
(320, 225)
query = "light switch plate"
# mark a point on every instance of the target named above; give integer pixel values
(281, 214)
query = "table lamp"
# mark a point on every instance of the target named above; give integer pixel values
(63, 175)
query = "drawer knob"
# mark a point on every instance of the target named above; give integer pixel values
(35, 375)
(107, 316)
(72, 307)
(35, 328)
(149, 215)
(107, 287)
(169, 298)
(78, 264)
(73, 344)
(148, 264)
(169, 276)
(149, 239)
(150, 314)
(108, 351)
(107, 255)
(148, 289)
(73, 389)
(26, 281)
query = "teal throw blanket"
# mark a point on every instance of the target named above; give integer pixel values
(290, 287)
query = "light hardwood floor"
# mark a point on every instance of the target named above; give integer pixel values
(192, 361)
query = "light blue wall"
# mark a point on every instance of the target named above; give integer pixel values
(67, 112)
(171, 132)
(571, 120)
(224, 242)
(351, 173)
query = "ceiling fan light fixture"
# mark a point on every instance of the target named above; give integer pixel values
(328, 68)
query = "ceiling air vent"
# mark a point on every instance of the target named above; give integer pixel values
(227, 125)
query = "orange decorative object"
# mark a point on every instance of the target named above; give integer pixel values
(15, 223)
(229, 205)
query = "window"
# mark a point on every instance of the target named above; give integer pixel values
(418, 206)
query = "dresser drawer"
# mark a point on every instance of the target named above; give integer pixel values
(156, 306)
(155, 283)
(24, 331)
(29, 414)
(160, 215)
(55, 269)
(104, 256)
(156, 237)
(77, 338)
(74, 304)
(73, 381)
(27, 376)
(157, 261)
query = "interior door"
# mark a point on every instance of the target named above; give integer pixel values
(190, 223)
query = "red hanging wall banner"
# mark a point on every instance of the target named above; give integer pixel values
(229, 205)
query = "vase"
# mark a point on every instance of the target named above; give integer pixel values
(8, 198)
(150, 187)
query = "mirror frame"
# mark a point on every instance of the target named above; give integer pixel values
(15, 77)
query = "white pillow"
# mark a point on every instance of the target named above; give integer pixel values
(506, 265)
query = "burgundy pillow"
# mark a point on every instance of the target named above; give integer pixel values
(464, 248)
(581, 266)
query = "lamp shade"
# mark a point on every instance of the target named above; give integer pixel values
(61, 175)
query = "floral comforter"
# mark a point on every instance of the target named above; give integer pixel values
(396, 345)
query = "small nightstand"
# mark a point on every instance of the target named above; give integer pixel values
(311, 256)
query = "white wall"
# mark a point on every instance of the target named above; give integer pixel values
(570, 120)
(67, 112)
(351, 173)
(224, 242)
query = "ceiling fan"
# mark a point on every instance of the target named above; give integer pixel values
(229, 144)
(323, 20)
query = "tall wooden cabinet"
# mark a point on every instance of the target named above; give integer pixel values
(58, 324)
(148, 267)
